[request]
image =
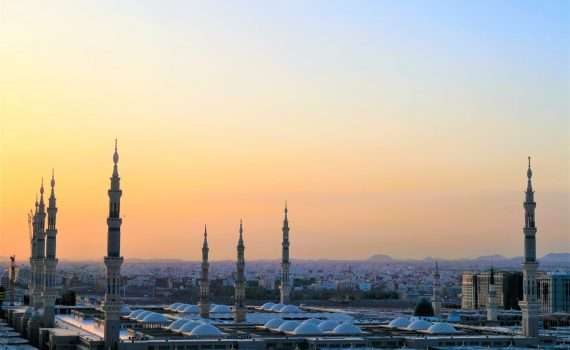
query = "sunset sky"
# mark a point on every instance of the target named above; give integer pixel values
(392, 127)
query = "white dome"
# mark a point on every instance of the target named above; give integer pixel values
(346, 328)
(174, 306)
(267, 306)
(154, 317)
(205, 330)
(273, 324)
(142, 315)
(125, 310)
(277, 307)
(181, 307)
(400, 322)
(328, 325)
(291, 309)
(135, 313)
(191, 309)
(177, 324)
(312, 321)
(441, 328)
(221, 309)
(188, 326)
(419, 325)
(288, 326)
(306, 328)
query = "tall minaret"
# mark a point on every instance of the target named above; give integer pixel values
(33, 286)
(113, 261)
(40, 250)
(50, 291)
(12, 280)
(436, 298)
(239, 308)
(529, 305)
(204, 302)
(492, 298)
(285, 285)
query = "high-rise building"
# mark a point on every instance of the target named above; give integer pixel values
(113, 261)
(239, 307)
(475, 289)
(554, 292)
(529, 305)
(285, 283)
(204, 303)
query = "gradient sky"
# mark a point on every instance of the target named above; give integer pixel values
(394, 127)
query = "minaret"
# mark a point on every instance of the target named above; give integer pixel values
(285, 285)
(33, 287)
(12, 280)
(50, 290)
(239, 308)
(492, 298)
(436, 298)
(204, 302)
(529, 305)
(113, 261)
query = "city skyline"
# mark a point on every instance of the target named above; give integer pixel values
(376, 150)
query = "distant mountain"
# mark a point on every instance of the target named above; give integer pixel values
(381, 258)
(492, 257)
(556, 258)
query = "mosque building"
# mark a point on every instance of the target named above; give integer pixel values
(271, 326)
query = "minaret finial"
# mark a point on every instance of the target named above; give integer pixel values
(529, 170)
(52, 178)
(116, 154)
(42, 188)
(240, 229)
(205, 232)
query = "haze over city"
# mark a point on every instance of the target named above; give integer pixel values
(403, 133)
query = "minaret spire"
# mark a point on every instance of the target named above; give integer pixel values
(529, 305)
(436, 298)
(113, 261)
(239, 307)
(492, 297)
(204, 303)
(285, 264)
(50, 290)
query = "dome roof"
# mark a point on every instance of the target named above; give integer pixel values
(125, 310)
(191, 309)
(423, 308)
(221, 309)
(288, 326)
(154, 317)
(441, 328)
(277, 307)
(188, 326)
(135, 313)
(291, 309)
(347, 328)
(419, 325)
(306, 328)
(173, 306)
(274, 323)
(328, 325)
(142, 315)
(181, 307)
(400, 322)
(267, 306)
(312, 321)
(177, 324)
(205, 330)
